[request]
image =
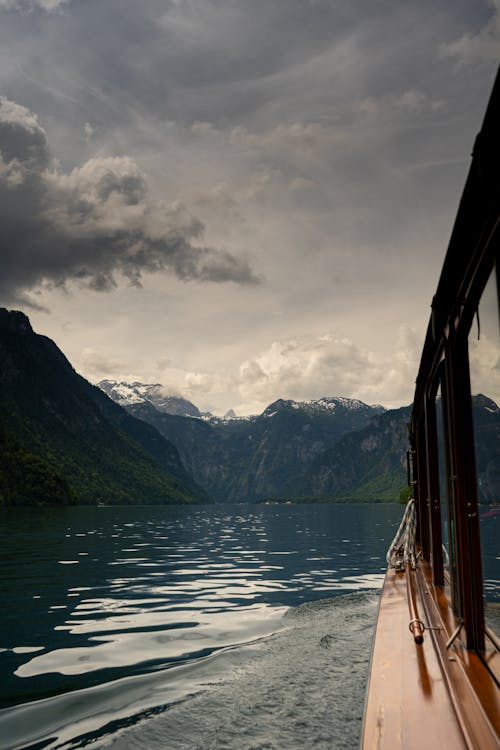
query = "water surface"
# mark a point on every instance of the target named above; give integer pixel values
(256, 620)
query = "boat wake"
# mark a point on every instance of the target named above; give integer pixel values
(299, 686)
(302, 687)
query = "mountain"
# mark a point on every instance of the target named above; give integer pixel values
(367, 464)
(331, 448)
(276, 448)
(127, 394)
(486, 416)
(62, 440)
(252, 458)
(204, 451)
(370, 464)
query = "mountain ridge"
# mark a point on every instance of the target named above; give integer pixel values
(64, 441)
(333, 447)
(126, 394)
(68, 434)
(246, 459)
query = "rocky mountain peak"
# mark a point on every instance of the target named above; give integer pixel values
(323, 405)
(483, 402)
(14, 321)
(129, 394)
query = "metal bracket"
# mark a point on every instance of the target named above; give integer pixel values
(423, 625)
(454, 635)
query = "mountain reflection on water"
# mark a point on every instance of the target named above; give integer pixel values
(223, 627)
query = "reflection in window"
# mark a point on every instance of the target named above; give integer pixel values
(447, 527)
(484, 354)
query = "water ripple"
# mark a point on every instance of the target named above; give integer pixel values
(96, 595)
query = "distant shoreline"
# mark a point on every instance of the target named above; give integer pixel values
(325, 501)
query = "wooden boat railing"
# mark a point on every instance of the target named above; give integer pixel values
(416, 626)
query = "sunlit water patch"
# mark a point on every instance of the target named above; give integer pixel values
(116, 615)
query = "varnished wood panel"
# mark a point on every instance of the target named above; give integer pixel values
(409, 704)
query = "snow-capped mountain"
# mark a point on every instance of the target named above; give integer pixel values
(335, 405)
(132, 394)
(327, 404)
(229, 417)
(129, 394)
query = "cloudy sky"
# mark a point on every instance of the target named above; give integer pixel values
(240, 199)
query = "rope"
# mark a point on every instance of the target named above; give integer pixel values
(402, 549)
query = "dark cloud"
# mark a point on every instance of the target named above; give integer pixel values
(91, 224)
(225, 60)
(328, 139)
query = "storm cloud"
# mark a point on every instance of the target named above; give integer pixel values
(319, 144)
(93, 224)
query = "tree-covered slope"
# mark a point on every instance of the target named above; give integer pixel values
(70, 438)
(368, 464)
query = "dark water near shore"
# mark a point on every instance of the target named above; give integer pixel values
(221, 627)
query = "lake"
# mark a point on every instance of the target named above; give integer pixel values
(218, 627)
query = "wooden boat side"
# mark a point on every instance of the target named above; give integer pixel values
(472, 678)
(407, 703)
(446, 689)
(426, 695)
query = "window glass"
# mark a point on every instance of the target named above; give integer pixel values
(484, 355)
(442, 483)
(447, 516)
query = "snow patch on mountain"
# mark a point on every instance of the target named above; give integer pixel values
(325, 405)
(128, 394)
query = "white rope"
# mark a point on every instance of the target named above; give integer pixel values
(402, 548)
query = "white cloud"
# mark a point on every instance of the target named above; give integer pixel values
(482, 46)
(330, 366)
(302, 368)
(89, 131)
(94, 362)
(29, 5)
(413, 101)
(15, 114)
(301, 183)
(485, 367)
(484, 345)
(307, 137)
(296, 140)
(389, 105)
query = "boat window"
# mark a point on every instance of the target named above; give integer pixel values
(447, 518)
(484, 356)
(432, 477)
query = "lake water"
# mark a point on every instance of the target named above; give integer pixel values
(237, 627)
